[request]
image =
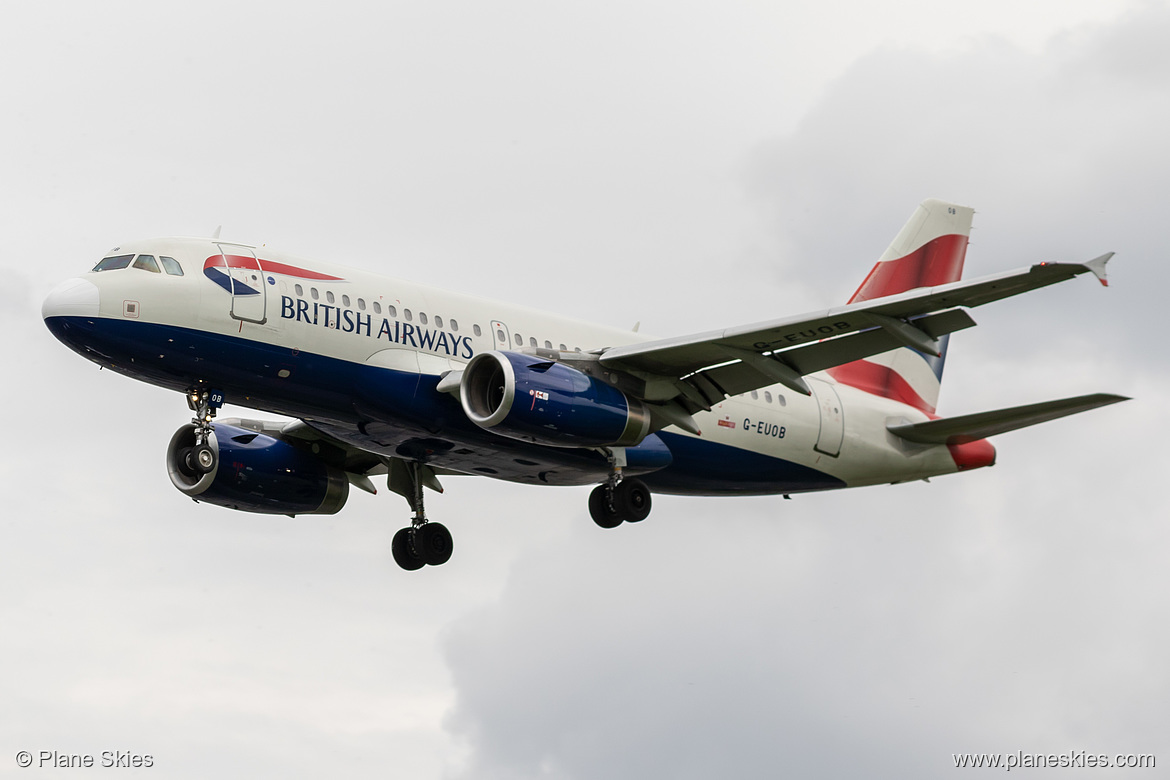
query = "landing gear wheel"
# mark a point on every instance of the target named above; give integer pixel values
(203, 458)
(432, 542)
(403, 551)
(185, 460)
(634, 499)
(600, 510)
(627, 501)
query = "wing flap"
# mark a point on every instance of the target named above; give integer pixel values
(972, 427)
(749, 374)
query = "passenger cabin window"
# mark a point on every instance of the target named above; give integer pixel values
(329, 296)
(377, 308)
(113, 263)
(422, 317)
(454, 326)
(532, 341)
(755, 395)
(316, 295)
(780, 398)
(362, 304)
(438, 321)
(146, 263)
(405, 312)
(171, 265)
(345, 301)
(478, 331)
(393, 311)
(767, 396)
(519, 340)
(547, 344)
(564, 348)
(500, 337)
(300, 291)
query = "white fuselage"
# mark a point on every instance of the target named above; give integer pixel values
(307, 319)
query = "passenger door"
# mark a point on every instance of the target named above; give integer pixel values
(249, 298)
(832, 417)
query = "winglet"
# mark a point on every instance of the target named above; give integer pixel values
(1097, 266)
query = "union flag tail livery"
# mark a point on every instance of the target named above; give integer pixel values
(410, 383)
(929, 251)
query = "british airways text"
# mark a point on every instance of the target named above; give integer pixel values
(349, 321)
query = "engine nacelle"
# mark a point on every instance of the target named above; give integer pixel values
(255, 472)
(527, 398)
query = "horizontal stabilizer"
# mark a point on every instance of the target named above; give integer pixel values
(972, 427)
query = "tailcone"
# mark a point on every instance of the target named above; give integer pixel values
(973, 454)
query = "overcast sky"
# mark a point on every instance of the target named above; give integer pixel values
(686, 165)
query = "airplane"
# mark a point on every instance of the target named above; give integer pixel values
(389, 378)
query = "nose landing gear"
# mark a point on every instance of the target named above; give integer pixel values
(202, 457)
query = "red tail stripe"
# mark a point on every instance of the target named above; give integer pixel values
(938, 261)
(879, 380)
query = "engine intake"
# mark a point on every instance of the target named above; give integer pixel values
(255, 472)
(545, 402)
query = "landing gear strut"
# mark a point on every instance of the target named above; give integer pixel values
(202, 458)
(423, 543)
(619, 500)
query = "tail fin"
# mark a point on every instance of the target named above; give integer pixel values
(928, 251)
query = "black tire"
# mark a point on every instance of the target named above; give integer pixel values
(433, 543)
(599, 509)
(185, 460)
(403, 553)
(634, 499)
(204, 458)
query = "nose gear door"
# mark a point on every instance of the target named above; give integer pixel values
(247, 280)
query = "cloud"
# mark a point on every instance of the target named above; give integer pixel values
(877, 632)
(1058, 152)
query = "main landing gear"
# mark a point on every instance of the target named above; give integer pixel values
(202, 457)
(618, 501)
(423, 543)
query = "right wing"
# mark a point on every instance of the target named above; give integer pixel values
(699, 371)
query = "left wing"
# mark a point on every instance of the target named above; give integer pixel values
(700, 370)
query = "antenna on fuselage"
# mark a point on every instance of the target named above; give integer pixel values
(215, 235)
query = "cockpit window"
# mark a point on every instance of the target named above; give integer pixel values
(113, 263)
(146, 263)
(171, 265)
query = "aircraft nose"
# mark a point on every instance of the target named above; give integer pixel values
(72, 298)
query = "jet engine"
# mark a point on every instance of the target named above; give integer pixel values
(545, 402)
(255, 472)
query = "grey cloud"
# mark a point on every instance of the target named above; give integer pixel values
(1058, 152)
(876, 633)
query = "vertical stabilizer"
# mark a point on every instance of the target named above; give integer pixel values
(928, 251)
